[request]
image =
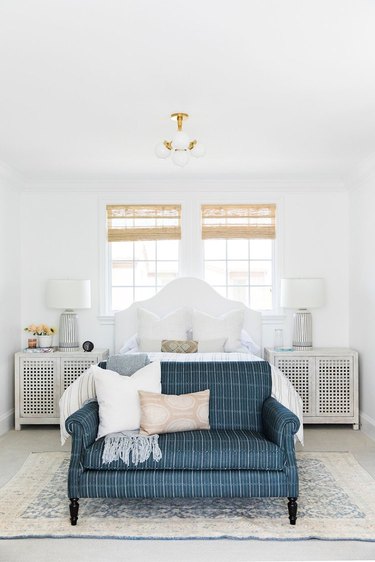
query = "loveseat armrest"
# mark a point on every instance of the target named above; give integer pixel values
(279, 423)
(83, 427)
(83, 424)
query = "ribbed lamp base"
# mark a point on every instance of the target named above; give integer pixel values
(302, 333)
(68, 331)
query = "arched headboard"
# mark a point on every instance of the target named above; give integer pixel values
(185, 292)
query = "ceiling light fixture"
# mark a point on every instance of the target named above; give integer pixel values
(180, 147)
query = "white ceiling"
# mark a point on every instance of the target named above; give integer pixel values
(273, 87)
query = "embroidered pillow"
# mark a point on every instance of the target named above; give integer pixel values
(169, 413)
(179, 346)
(119, 408)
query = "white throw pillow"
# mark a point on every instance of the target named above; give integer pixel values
(171, 327)
(227, 326)
(119, 408)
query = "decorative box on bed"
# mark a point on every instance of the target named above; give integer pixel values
(249, 449)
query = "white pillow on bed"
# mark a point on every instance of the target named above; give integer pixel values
(249, 344)
(204, 346)
(212, 346)
(130, 346)
(171, 327)
(227, 326)
(147, 344)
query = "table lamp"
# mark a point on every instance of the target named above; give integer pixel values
(302, 293)
(69, 294)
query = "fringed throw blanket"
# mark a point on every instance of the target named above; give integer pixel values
(120, 445)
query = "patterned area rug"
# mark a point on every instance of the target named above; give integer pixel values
(337, 502)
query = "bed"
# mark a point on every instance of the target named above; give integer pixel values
(192, 294)
(197, 300)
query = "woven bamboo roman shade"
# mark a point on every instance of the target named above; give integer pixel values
(143, 222)
(239, 221)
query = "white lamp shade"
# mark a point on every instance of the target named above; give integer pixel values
(302, 293)
(68, 293)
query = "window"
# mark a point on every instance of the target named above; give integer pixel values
(238, 251)
(143, 250)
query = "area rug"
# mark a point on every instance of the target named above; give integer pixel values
(337, 502)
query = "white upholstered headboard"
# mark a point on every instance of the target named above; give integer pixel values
(185, 292)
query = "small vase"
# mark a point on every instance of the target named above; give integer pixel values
(45, 341)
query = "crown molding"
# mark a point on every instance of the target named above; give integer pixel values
(192, 184)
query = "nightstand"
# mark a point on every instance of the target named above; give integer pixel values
(325, 378)
(41, 378)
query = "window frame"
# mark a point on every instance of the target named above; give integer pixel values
(135, 286)
(191, 254)
(106, 314)
(248, 285)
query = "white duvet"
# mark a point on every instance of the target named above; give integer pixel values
(83, 388)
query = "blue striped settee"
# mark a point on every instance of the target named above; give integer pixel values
(248, 452)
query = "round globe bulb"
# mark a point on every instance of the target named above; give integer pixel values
(180, 140)
(180, 157)
(162, 151)
(198, 151)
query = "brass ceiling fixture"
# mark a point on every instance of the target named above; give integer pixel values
(180, 147)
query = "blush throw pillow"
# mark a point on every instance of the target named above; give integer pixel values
(227, 326)
(119, 407)
(169, 413)
(172, 326)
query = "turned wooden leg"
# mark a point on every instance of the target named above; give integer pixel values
(74, 507)
(292, 508)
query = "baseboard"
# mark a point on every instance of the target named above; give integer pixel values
(7, 421)
(367, 425)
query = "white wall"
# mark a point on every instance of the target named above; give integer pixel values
(10, 318)
(362, 293)
(61, 231)
(316, 244)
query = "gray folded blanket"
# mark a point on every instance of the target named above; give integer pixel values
(127, 364)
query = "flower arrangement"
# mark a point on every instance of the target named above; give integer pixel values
(40, 330)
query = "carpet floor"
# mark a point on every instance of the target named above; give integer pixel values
(337, 502)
